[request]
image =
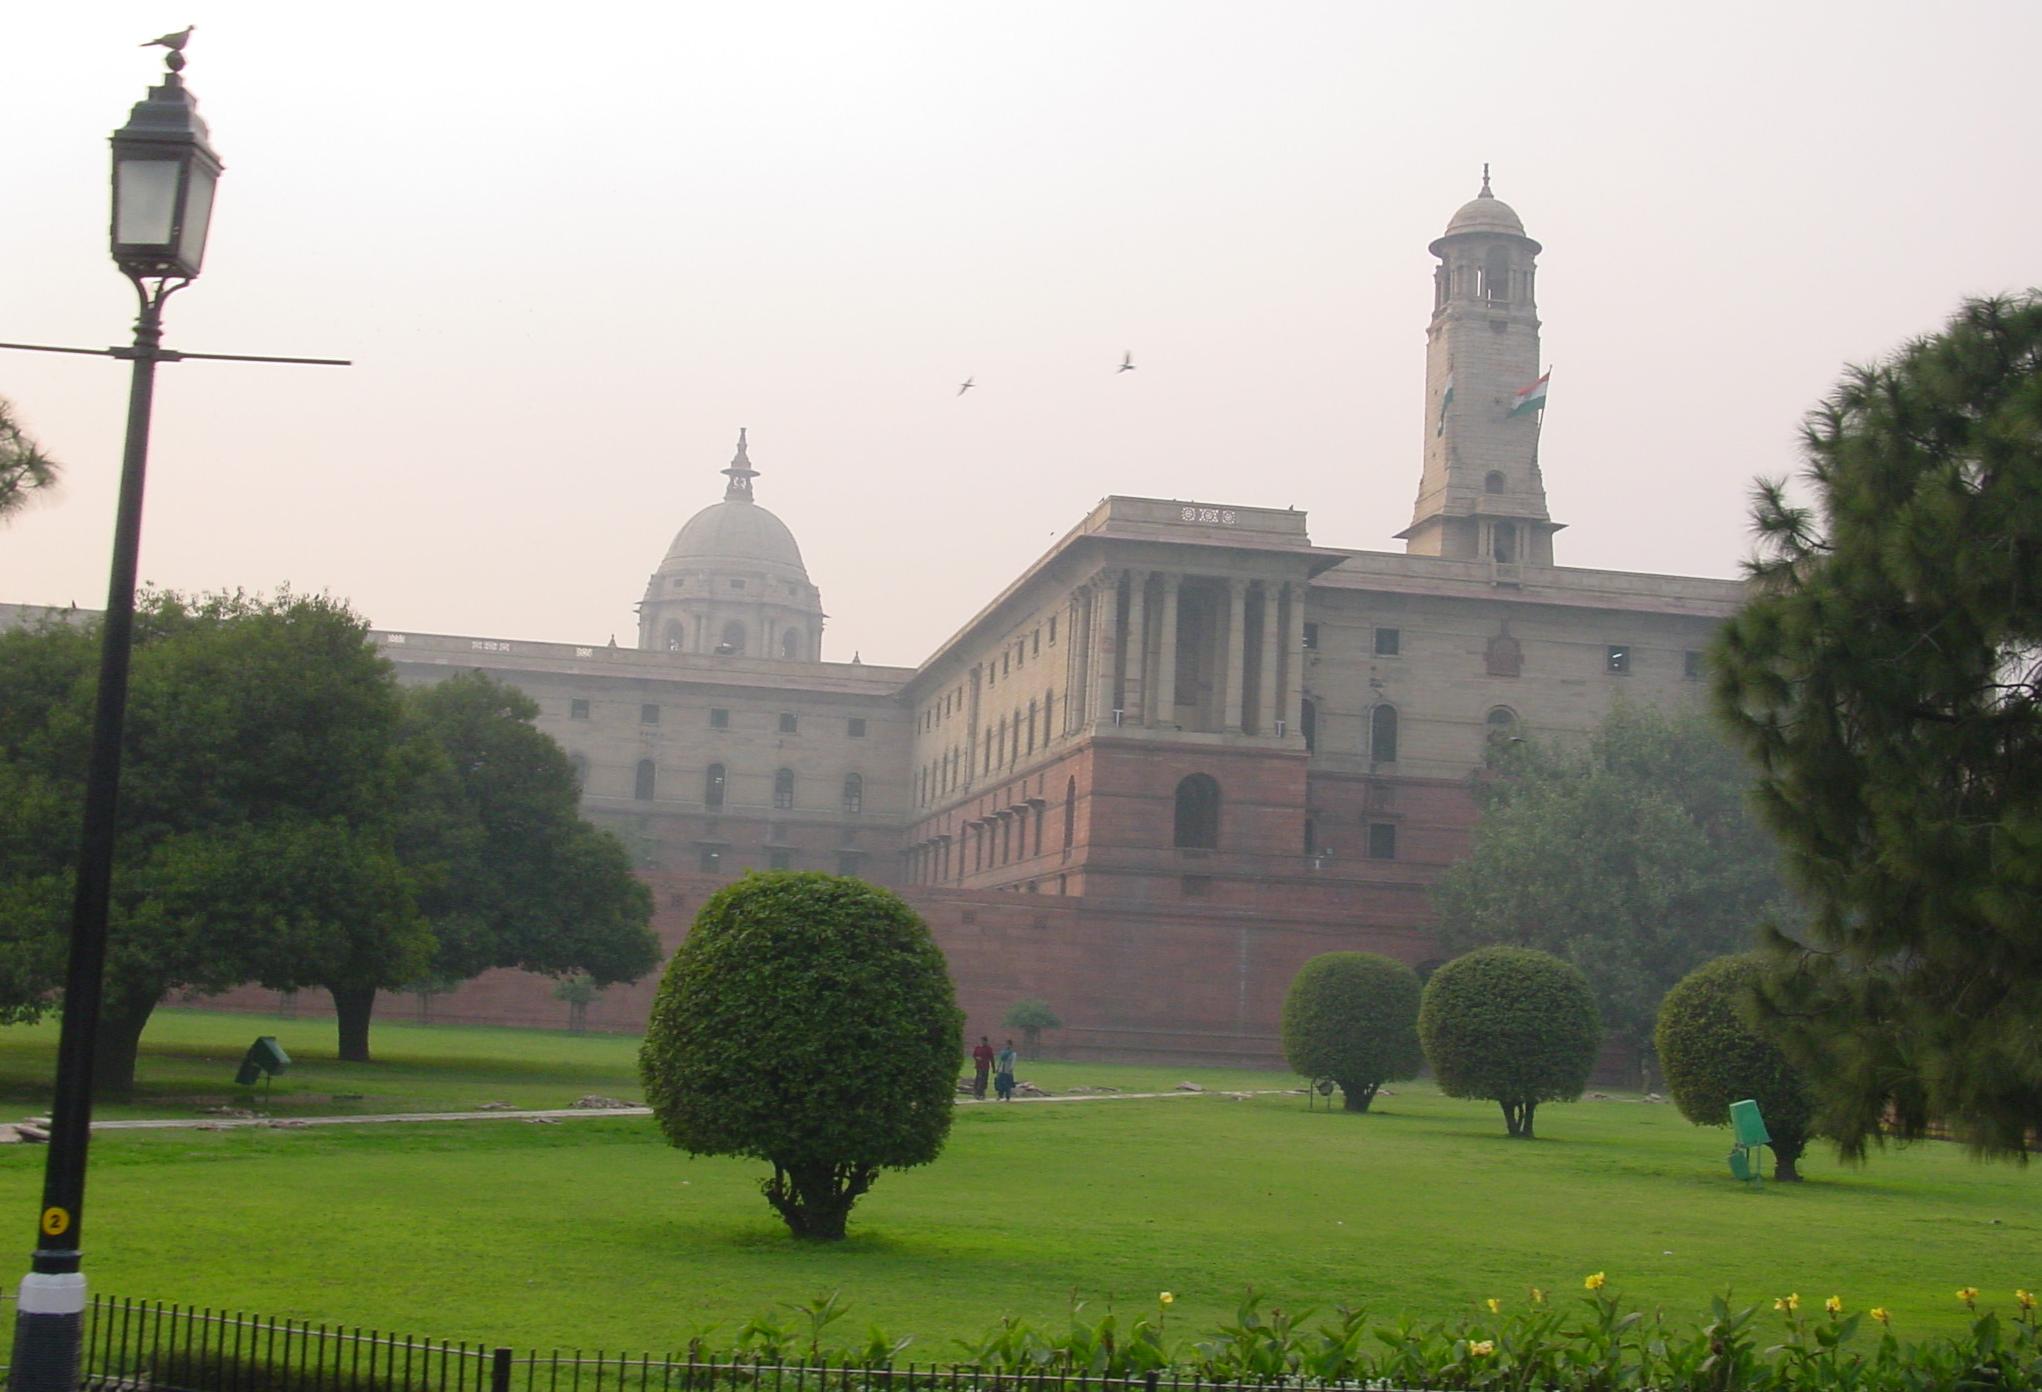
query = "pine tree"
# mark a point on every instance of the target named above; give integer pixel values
(1887, 675)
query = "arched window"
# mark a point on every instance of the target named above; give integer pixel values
(1502, 729)
(790, 644)
(675, 636)
(642, 789)
(733, 639)
(579, 763)
(1070, 812)
(712, 786)
(1308, 724)
(1493, 482)
(1198, 813)
(1382, 735)
(1504, 543)
(1496, 274)
(854, 793)
(783, 788)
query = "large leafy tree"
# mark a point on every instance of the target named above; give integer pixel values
(807, 1021)
(1633, 855)
(25, 470)
(1353, 1017)
(506, 872)
(253, 817)
(1887, 676)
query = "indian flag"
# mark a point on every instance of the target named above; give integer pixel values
(1446, 399)
(1532, 398)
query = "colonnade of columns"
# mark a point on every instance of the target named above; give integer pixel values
(1125, 655)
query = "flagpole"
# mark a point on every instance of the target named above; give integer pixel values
(1539, 422)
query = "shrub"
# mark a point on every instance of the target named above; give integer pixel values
(1353, 1017)
(1712, 1055)
(1513, 1024)
(808, 1021)
(1031, 1017)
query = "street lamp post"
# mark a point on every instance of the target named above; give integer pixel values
(164, 173)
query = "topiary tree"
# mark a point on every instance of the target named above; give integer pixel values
(1353, 1017)
(1031, 1017)
(808, 1021)
(1713, 1055)
(1510, 1023)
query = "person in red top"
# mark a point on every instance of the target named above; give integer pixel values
(981, 1065)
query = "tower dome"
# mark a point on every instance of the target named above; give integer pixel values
(733, 583)
(1483, 215)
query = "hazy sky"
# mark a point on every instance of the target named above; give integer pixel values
(572, 248)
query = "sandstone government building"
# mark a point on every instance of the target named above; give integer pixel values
(1184, 751)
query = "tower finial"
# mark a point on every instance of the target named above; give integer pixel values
(1485, 182)
(741, 473)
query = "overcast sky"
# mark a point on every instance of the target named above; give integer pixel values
(573, 248)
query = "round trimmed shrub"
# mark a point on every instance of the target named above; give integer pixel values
(1353, 1017)
(1712, 1055)
(807, 1021)
(1513, 1024)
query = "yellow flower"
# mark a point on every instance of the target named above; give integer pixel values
(1482, 1348)
(1538, 1297)
(1495, 1305)
(1834, 1304)
(1882, 1314)
(1165, 1298)
(1595, 1282)
(1969, 1295)
(1789, 1303)
(2026, 1299)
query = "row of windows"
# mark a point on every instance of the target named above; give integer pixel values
(712, 858)
(788, 722)
(1012, 656)
(716, 786)
(1381, 842)
(1002, 746)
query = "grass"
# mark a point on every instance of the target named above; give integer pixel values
(597, 1234)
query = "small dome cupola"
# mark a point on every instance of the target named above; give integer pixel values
(732, 583)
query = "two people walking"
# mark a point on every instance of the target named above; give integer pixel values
(1000, 1065)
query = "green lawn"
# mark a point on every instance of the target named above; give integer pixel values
(596, 1234)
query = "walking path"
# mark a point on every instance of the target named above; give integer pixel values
(580, 1113)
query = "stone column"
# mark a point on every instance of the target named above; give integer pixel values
(1137, 648)
(1166, 653)
(1294, 660)
(1266, 713)
(1078, 658)
(1237, 635)
(1105, 642)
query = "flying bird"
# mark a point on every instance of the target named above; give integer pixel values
(967, 385)
(1126, 363)
(174, 42)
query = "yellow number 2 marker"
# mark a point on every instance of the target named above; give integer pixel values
(56, 1221)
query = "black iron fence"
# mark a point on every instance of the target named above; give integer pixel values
(150, 1346)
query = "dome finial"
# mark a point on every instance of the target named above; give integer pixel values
(741, 473)
(1485, 182)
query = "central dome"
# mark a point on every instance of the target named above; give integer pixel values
(735, 532)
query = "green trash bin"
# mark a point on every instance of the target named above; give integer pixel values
(1745, 1121)
(264, 1056)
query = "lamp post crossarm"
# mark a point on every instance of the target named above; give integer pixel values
(175, 355)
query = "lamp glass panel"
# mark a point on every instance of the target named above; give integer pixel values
(144, 201)
(198, 212)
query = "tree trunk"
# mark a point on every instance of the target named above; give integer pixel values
(1517, 1117)
(117, 1042)
(815, 1200)
(1785, 1157)
(1358, 1098)
(352, 1006)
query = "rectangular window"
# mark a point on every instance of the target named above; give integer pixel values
(857, 727)
(1311, 636)
(577, 709)
(1196, 886)
(648, 715)
(719, 718)
(1389, 642)
(780, 859)
(1006, 663)
(788, 722)
(712, 860)
(1619, 658)
(1035, 646)
(1691, 665)
(737, 584)
(1382, 840)
(1052, 630)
